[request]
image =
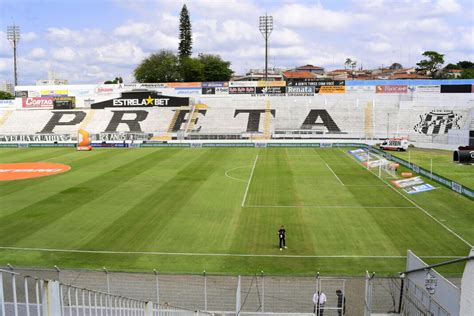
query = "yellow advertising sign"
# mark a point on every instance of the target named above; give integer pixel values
(271, 83)
(332, 89)
(54, 93)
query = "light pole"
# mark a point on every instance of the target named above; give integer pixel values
(13, 35)
(266, 27)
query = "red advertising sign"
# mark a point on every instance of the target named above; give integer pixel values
(391, 89)
(38, 103)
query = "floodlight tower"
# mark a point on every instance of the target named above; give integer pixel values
(266, 27)
(13, 35)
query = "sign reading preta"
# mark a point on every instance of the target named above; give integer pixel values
(141, 99)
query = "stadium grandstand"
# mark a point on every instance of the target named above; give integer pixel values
(316, 153)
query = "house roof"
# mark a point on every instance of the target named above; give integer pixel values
(298, 74)
(340, 71)
(309, 67)
(455, 70)
(408, 76)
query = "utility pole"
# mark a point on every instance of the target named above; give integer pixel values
(13, 35)
(266, 27)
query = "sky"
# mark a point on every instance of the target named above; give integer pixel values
(94, 41)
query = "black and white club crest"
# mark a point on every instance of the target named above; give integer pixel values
(437, 122)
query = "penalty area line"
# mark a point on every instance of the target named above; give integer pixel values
(335, 175)
(197, 254)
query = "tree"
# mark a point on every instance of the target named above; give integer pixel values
(6, 95)
(451, 66)
(115, 81)
(432, 64)
(192, 69)
(185, 35)
(467, 74)
(159, 67)
(215, 69)
(347, 63)
(465, 64)
(395, 66)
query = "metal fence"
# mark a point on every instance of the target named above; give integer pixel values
(24, 295)
(82, 291)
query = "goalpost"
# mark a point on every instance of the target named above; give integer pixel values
(381, 167)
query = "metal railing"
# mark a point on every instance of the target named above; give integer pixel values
(23, 295)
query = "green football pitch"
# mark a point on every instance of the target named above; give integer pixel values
(442, 163)
(219, 210)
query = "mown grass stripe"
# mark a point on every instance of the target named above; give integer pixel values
(28, 220)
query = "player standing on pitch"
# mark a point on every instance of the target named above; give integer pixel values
(281, 235)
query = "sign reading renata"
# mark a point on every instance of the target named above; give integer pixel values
(141, 99)
(391, 89)
(38, 103)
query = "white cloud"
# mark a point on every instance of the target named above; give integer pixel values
(37, 52)
(379, 47)
(120, 52)
(64, 54)
(285, 36)
(28, 37)
(305, 16)
(447, 7)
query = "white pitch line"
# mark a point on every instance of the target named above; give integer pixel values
(328, 206)
(420, 208)
(231, 177)
(335, 175)
(250, 180)
(196, 254)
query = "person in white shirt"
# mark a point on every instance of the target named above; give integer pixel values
(319, 300)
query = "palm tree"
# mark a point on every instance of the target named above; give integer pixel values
(347, 63)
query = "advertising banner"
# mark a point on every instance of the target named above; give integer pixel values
(187, 90)
(419, 188)
(224, 90)
(391, 89)
(208, 91)
(34, 94)
(106, 89)
(360, 89)
(7, 103)
(300, 90)
(242, 83)
(425, 89)
(35, 138)
(54, 93)
(215, 84)
(142, 99)
(332, 89)
(271, 83)
(271, 90)
(37, 103)
(183, 85)
(242, 90)
(151, 85)
(64, 103)
(456, 88)
(21, 94)
(316, 82)
(359, 154)
(408, 182)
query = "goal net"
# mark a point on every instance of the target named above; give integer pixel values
(380, 166)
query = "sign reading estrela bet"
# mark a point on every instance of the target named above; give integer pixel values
(142, 99)
(141, 102)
